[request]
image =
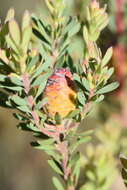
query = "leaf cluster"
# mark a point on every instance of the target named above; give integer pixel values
(29, 54)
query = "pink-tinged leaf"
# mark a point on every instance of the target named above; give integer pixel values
(26, 82)
(35, 117)
(31, 101)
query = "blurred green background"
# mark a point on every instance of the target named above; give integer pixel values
(22, 167)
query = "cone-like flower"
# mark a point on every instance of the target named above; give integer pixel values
(61, 93)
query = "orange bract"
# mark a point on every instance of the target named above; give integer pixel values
(61, 93)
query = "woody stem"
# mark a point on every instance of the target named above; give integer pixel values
(63, 148)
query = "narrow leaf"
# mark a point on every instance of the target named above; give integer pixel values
(33, 62)
(79, 142)
(107, 56)
(10, 15)
(76, 77)
(14, 31)
(24, 108)
(99, 99)
(26, 36)
(41, 89)
(85, 83)
(46, 142)
(55, 167)
(81, 98)
(19, 101)
(108, 88)
(13, 88)
(16, 80)
(85, 34)
(58, 118)
(72, 114)
(57, 184)
(41, 103)
(74, 29)
(12, 44)
(2, 78)
(26, 20)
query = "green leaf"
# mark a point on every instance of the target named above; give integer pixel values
(10, 15)
(33, 127)
(20, 117)
(41, 89)
(44, 53)
(39, 80)
(55, 167)
(23, 126)
(16, 80)
(42, 38)
(2, 78)
(79, 142)
(32, 62)
(50, 141)
(84, 134)
(26, 36)
(94, 35)
(14, 31)
(103, 22)
(76, 77)
(64, 45)
(58, 118)
(85, 34)
(76, 171)
(81, 98)
(74, 159)
(85, 83)
(50, 6)
(8, 104)
(109, 73)
(57, 184)
(45, 147)
(26, 20)
(43, 77)
(41, 103)
(54, 155)
(74, 29)
(42, 30)
(72, 114)
(107, 56)
(12, 44)
(108, 88)
(69, 24)
(79, 68)
(43, 84)
(42, 68)
(99, 99)
(24, 109)
(19, 101)
(13, 88)
(42, 115)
